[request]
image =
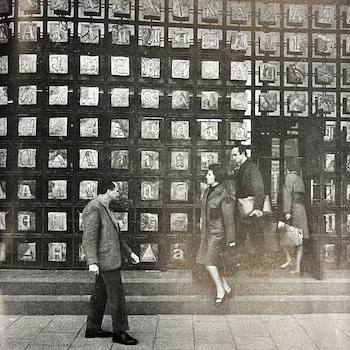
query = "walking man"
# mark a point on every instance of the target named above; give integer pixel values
(249, 183)
(105, 249)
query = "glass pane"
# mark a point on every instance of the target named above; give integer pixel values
(275, 178)
(275, 147)
(291, 148)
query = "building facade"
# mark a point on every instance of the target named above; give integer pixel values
(149, 93)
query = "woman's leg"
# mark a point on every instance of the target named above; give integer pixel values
(298, 258)
(225, 284)
(288, 258)
(214, 273)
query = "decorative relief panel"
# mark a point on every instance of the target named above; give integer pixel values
(210, 100)
(150, 67)
(88, 159)
(89, 96)
(150, 36)
(209, 130)
(210, 40)
(27, 95)
(26, 158)
(149, 160)
(3, 158)
(4, 64)
(179, 222)
(238, 131)
(27, 63)
(58, 95)
(28, 31)
(296, 15)
(210, 70)
(181, 38)
(180, 99)
(120, 159)
(89, 127)
(239, 41)
(88, 189)
(239, 71)
(179, 160)
(179, 191)
(121, 7)
(149, 190)
(180, 130)
(58, 158)
(58, 126)
(27, 126)
(26, 221)
(57, 252)
(150, 129)
(148, 252)
(57, 189)
(268, 72)
(297, 43)
(26, 251)
(120, 97)
(297, 102)
(89, 33)
(59, 6)
(4, 95)
(181, 9)
(240, 12)
(180, 69)
(89, 65)
(58, 64)
(208, 158)
(58, 32)
(268, 102)
(26, 189)
(150, 98)
(149, 222)
(239, 101)
(296, 73)
(120, 66)
(120, 34)
(119, 128)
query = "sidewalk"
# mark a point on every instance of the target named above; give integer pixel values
(182, 332)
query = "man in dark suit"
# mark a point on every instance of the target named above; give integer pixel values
(249, 183)
(105, 249)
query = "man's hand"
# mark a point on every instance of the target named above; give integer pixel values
(94, 268)
(258, 213)
(134, 258)
(288, 216)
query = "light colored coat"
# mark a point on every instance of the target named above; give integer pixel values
(101, 237)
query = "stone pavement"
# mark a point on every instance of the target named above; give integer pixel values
(182, 332)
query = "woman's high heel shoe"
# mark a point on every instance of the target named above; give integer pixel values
(220, 301)
(283, 266)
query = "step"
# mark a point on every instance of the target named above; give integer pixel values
(179, 304)
(169, 283)
(35, 292)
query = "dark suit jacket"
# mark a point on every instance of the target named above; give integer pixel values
(101, 237)
(250, 183)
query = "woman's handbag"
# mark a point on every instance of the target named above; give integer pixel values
(290, 235)
(246, 205)
(267, 209)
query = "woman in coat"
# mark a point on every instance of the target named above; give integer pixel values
(217, 229)
(293, 199)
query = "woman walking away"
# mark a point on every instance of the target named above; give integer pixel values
(293, 199)
(217, 229)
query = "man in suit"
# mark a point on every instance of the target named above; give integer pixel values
(249, 183)
(105, 249)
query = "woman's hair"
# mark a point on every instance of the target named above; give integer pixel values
(293, 164)
(219, 171)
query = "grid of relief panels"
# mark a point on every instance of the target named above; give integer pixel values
(148, 93)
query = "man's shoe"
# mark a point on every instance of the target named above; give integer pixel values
(97, 333)
(124, 338)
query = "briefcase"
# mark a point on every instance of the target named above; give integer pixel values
(246, 205)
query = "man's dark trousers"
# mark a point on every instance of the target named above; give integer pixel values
(108, 285)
